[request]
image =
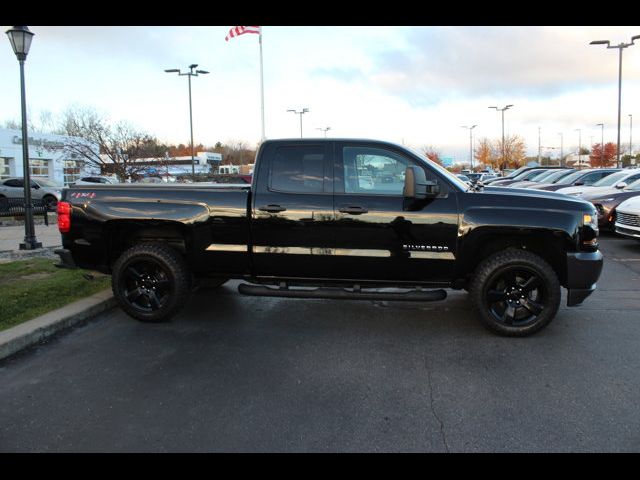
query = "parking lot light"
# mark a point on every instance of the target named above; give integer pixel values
(620, 47)
(20, 38)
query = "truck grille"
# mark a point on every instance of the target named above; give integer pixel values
(628, 219)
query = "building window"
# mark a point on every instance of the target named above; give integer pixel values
(71, 171)
(5, 169)
(39, 168)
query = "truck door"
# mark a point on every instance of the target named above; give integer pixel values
(292, 210)
(377, 237)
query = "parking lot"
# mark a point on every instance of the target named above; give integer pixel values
(234, 373)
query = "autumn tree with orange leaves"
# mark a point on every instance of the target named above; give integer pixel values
(432, 154)
(596, 159)
(485, 154)
(490, 152)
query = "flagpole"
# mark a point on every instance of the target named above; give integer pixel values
(261, 85)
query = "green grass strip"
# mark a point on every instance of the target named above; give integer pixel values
(29, 288)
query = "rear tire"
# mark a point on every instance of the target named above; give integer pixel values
(515, 293)
(151, 282)
(50, 202)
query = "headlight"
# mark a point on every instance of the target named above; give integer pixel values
(589, 235)
(590, 220)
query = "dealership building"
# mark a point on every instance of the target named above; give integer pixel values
(47, 157)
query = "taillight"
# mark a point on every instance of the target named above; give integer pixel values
(64, 217)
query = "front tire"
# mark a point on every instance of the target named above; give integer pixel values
(515, 293)
(151, 282)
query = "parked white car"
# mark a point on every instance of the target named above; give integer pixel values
(616, 180)
(628, 218)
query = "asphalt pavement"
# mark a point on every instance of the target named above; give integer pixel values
(235, 373)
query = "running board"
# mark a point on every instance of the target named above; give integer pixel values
(342, 293)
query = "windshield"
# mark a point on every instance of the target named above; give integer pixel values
(44, 182)
(529, 175)
(610, 179)
(517, 172)
(542, 175)
(557, 175)
(569, 179)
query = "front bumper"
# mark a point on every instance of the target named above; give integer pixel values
(583, 271)
(628, 231)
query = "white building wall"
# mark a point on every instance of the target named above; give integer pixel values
(46, 157)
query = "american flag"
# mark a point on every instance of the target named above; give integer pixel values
(235, 31)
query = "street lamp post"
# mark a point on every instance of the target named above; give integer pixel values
(470, 144)
(502, 110)
(20, 38)
(561, 150)
(601, 125)
(579, 146)
(190, 74)
(324, 130)
(301, 112)
(630, 136)
(620, 47)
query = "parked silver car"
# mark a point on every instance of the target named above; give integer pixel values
(41, 188)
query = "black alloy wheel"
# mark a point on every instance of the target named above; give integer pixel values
(145, 285)
(515, 292)
(151, 282)
(515, 296)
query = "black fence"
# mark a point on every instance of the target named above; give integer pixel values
(14, 207)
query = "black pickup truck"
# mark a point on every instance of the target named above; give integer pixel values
(338, 218)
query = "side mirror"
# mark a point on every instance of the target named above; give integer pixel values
(416, 185)
(621, 185)
(578, 184)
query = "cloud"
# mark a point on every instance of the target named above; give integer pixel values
(446, 63)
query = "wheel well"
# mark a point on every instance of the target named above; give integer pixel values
(124, 234)
(547, 245)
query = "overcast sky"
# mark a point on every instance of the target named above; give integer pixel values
(416, 85)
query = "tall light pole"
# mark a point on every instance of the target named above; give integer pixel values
(20, 38)
(502, 110)
(470, 144)
(630, 136)
(601, 125)
(561, 150)
(539, 147)
(301, 112)
(620, 47)
(579, 146)
(324, 130)
(190, 74)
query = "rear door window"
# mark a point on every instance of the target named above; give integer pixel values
(297, 170)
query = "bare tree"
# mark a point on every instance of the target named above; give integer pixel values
(119, 146)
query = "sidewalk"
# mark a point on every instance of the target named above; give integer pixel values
(12, 236)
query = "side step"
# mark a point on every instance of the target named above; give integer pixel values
(342, 293)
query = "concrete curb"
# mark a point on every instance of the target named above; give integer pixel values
(33, 331)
